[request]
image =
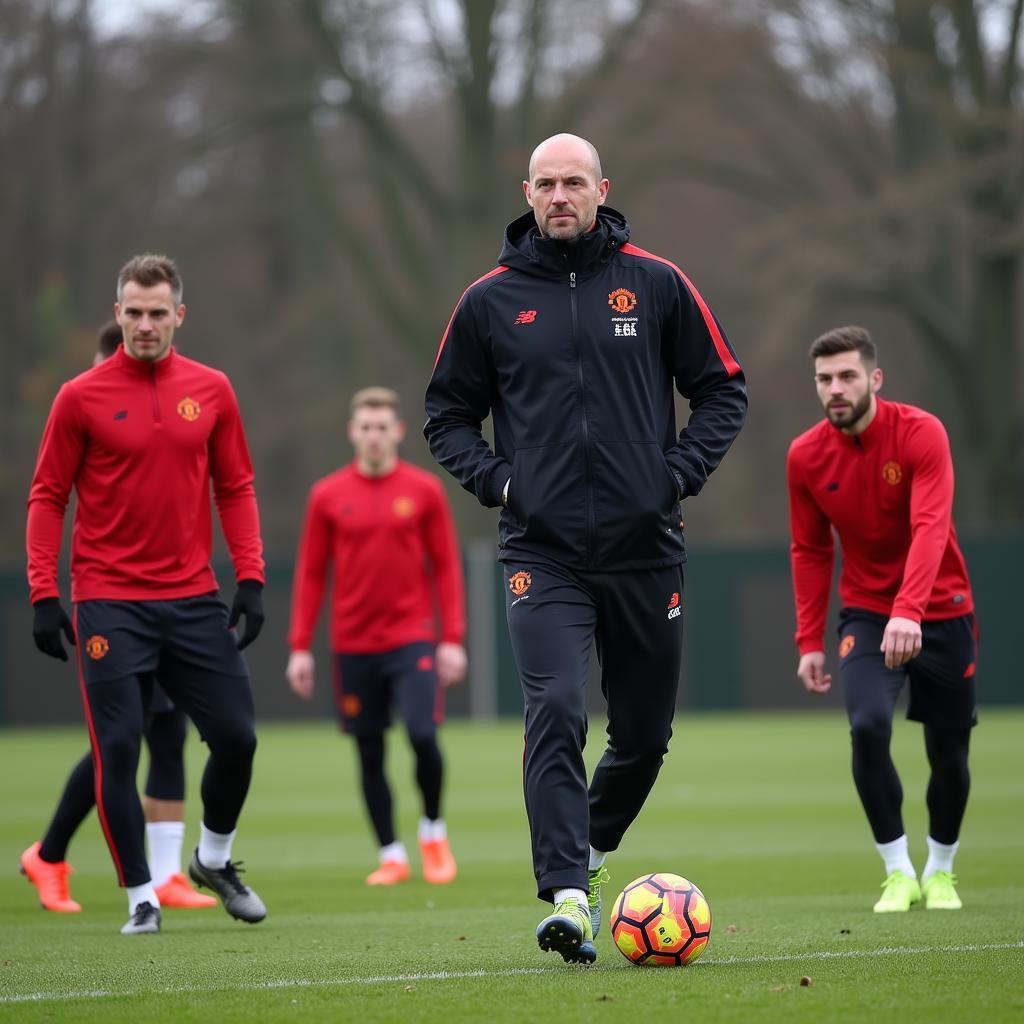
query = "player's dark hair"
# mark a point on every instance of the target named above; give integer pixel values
(148, 270)
(108, 339)
(846, 339)
(376, 398)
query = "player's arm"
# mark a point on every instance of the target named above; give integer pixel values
(235, 497)
(458, 400)
(446, 564)
(708, 374)
(811, 556)
(60, 455)
(234, 491)
(931, 517)
(308, 585)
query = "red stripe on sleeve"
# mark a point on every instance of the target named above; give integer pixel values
(444, 337)
(728, 360)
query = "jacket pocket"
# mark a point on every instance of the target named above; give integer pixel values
(547, 496)
(635, 502)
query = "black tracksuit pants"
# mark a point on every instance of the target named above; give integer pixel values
(555, 615)
(187, 643)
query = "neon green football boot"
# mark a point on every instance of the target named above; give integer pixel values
(567, 931)
(899, 893)
(940, 891)
(595, 879)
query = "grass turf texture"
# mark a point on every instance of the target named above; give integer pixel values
(758, 810)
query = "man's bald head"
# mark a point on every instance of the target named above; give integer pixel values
(562, 144)
(565, 187)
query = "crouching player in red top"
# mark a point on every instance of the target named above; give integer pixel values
(141, 438)
(385, 529)
(881, 475)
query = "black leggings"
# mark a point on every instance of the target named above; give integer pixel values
(377, 793)
(221, 707)
(941, 681)
(878, 784)
(165, 736)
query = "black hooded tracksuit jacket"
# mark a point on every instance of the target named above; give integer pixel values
(573, 350)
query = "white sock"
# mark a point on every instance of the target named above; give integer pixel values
(571, 894)
(393, 851)
(596, 859)
(896, 856)
(940, 857)
(430, 831)
(214, 847)
(164, 840)
(141, 894)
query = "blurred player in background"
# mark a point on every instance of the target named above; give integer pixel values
(44, 863)
(141, 438)
(881, 475)
(384, 529)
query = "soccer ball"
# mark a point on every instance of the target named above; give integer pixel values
(661, 919)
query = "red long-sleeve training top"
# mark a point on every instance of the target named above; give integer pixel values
(377, 534)
(140, 442)
(888, 492)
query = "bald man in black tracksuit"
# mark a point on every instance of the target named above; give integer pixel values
(573, 345)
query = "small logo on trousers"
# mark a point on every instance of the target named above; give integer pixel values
(519, 583)
(96, 647)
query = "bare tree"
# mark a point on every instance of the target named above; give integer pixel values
(890, 166)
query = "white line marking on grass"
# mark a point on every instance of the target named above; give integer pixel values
(386, 979)
(850, 954)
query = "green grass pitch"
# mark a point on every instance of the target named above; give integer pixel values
(758, 810)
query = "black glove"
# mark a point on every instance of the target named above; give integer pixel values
(248, 602)
(49, 622)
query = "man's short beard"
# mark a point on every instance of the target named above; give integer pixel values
(856, 413)
(570, 240)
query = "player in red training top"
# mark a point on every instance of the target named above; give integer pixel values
(165, 728)
(141, 438)
(880, 474)
(385, 529)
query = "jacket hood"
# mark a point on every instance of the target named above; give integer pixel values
(525, 248)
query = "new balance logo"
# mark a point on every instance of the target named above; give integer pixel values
(121, 415)
(674, 610)
(526, 316)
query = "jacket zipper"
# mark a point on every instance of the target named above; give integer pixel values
(584, 427)
(153, 395)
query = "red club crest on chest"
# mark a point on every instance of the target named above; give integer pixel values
(622, 300)
(189, 409)
(892, 474)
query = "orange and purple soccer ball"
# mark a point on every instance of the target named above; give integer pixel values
(661, 919)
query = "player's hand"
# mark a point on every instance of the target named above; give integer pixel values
(300, 673)
(901, 641)
(811, 672)
(248, 602)
(50, 621)
(451, 662)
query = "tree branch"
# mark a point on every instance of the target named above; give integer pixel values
(1010, 68)
(972, 57)
(407, 164)
(576, 98)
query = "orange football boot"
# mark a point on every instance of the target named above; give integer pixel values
(176, 892)
(391, 872)
(438, 862)
(50, 880)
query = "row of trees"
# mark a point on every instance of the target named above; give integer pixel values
(331, 173)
